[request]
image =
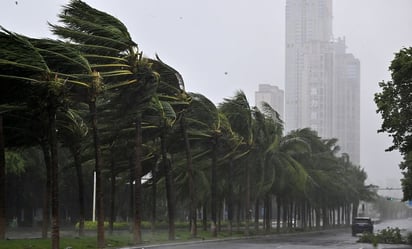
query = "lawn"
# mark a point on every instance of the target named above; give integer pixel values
(112, 241)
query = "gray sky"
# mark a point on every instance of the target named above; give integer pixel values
(204, 39)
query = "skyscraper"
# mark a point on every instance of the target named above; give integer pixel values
(321, 79)
(346, 101)
(273, 96)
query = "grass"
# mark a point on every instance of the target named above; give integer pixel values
(121, 238)
(75, 243)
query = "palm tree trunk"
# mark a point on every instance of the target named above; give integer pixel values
(278, 213)
(131, 193)
(348, 217)
(213, 186)
(79, 172)
(99, 177)
(267, 213)
(112, 195)
(317, 214)
(248, 210)
(230, 198)
(257, 214)
(55, 182)
(325, 217)
(204, 216)
(154, 199)
(2, 183)
(192, 211)
(47, 192)
(355, 207)
(171, 199)
(310, 216)
(284, 212)
(219, 217)
(238, 214)
(137, 234)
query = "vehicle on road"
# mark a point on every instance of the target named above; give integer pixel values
(361, 225)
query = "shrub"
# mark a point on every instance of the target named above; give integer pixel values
(390, 236)
(385, 236)
(409, 239)
(92, 225)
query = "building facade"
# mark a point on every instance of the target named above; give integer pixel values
(273, 96)
(321, 80)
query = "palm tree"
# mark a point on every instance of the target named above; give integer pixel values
(284, 175)
(164, 118)
(108, 47)
(72, 133)
(267, 132)
(2, 183)
(239, 115)
(39, 65)
(168, 107)
(192, 196)
(205, 128)
(4, 108)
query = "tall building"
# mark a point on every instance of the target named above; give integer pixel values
(346, 100)
(321, 79)
(273, 96)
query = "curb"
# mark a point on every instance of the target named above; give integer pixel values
(228, 239)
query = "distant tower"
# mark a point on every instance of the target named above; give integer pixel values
(308, 62)
(321, 80)
(346, 101)
(271, 95)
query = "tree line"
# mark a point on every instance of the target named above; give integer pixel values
(91, 103)
(394, 104)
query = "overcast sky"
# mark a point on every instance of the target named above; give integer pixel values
(221, 46)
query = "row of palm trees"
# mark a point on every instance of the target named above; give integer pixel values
(94, 94)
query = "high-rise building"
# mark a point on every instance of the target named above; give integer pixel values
(321, 79)
(273, 96)
(346, 101)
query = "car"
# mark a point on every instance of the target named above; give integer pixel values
(361, 225)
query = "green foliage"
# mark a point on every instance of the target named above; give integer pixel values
(390, 236)
(92, 225)
(409, 239)
(386, 236)
(14, 163)
(395, 102)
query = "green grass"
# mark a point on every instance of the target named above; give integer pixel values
(123, 239)
(120, 238)
(75, 243)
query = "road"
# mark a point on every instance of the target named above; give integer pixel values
(331, 239)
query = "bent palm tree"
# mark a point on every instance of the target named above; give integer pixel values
(107, 45)
(239, 114)
(39, 65)
(73, 131)
(207, 128)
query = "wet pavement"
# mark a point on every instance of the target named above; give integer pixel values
(331, 239)
(339, 239)
(328, 239)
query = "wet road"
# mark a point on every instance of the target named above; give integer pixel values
(331, 239)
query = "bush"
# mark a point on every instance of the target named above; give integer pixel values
(409, 239)
(390, 236)
(386, 236)
(92, 225)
